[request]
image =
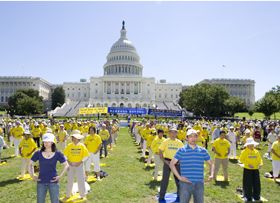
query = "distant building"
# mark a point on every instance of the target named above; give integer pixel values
(242, 88)
(122, 83)
(10, 84)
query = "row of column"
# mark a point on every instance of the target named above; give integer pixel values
(118, 88)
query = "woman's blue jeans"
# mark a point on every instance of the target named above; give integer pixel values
(42, 189)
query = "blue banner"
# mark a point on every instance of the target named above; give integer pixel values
(124, 110)
(165, 113)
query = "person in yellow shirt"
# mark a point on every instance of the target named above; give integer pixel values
(252, 161)
(275, 151)
(18, 135)
(27, 147)
(93, 142)
(181, 133)
(105, 135)
(221, 148)
(155, 149)
(76, 154)
(150, 139)
(167, 150)
(36, 133)
(144, 134)
(200, 139)
(205, 135)
(62, 136)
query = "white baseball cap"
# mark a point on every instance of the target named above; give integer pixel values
(191, 131)
(48, 137)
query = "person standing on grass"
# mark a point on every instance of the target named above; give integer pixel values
(155, 148)
(231, 136)
(36, 133)
(48, 178)
(271, 138)
(275, 151)
(167, 150)
(2, 145)
(76, 154)
(93, 143)
(221, 148)
(252, 161)
(62, 136)
(27, 147)
(18, 135)
(105, 135)
(191, 176)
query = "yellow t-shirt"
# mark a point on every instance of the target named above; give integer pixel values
(76, 153)
(18, 132)
(221, 146)
(276, 148)
(145, 133)
(205, 134)
(251, 157)
(61, 135)
(27, 146)
(181, 135)
(150, 139)
(169, 147)
(93, 142)
(36, 132)
(200, 140)
(156, 143)
(104, 134)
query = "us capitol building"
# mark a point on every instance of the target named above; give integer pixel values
(123, 84)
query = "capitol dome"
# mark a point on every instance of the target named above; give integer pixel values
(123, 58)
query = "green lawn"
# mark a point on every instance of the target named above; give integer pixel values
(128, 181)
(257, 115)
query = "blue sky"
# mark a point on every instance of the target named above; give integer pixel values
(179, 41)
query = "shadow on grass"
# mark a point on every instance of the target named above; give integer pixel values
(8, 182)
(153, 184)
(222, 184)
(148, 168)
(234, 161)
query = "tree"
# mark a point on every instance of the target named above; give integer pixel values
(58, 97)
(234, 105)
(204, 99)
(25, 102)
(267, 105)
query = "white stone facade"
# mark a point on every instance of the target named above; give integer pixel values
(122, 83)
(242, 88)
(10, 84)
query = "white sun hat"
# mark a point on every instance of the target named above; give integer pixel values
(250, 141)
(247, 131)
(48, 137)
(77, 136)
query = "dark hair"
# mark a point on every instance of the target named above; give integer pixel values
(222, 131)
(53, 147)
(93, 128)
(160, 131)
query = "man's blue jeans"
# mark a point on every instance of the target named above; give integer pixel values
(195, 189)
(42, 189)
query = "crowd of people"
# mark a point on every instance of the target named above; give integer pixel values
(75, 144)
(178, 147)
(182, 147)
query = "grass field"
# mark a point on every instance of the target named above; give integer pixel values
(257, 115)
(128, 180)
